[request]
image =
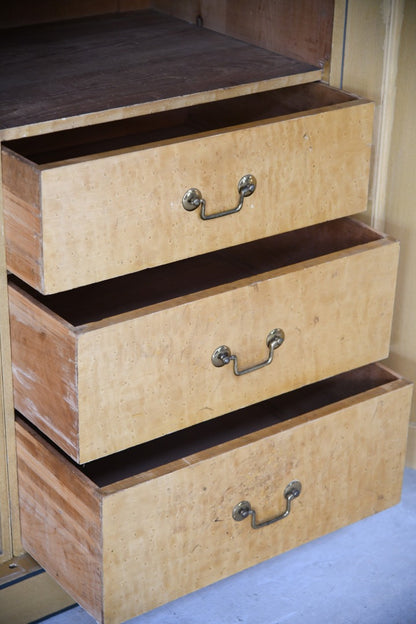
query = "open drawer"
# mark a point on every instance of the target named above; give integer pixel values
(145, 526)
(115, 364)
(93, 203)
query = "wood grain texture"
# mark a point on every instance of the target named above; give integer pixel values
(139, 375)
(109, 63)
(6, 486)
(60, 519)
(156, 458)
(22, 217)
(336, 314)
(44, 370)
(24, 12)
(118, 202)
(10, 542)
(299, 29)
(123, 563)
(186, 521)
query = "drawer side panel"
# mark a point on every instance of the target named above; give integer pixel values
(122, 213)
(44, 370)
(60, 515)
(22, 218)
(153, 374)
(174, 534)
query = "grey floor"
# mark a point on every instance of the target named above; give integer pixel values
(362, 574)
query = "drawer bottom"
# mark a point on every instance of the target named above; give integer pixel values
(129, 532)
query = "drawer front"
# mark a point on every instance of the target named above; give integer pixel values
(108, 385)
(89, 219)
(348, 456)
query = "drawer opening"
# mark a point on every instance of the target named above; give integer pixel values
(95, 302)
(181, 444)
(48, 149)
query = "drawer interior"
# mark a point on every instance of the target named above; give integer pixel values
(94, 140)
(134, 291)
(148, 456)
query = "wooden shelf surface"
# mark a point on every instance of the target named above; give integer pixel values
(60, 75)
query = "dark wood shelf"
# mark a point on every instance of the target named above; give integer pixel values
(108, 67)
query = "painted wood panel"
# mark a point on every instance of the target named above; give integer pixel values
(400, 217)
(374, 43)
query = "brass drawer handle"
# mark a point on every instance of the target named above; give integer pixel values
(193, 198)
(222, 355)
(244, 509)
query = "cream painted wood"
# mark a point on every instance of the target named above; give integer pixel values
(367, 43)
(178, 516)
(337, 46)
(400, 212)
(379, 52)
(106, 385)
(101, 217)
(378, 29)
